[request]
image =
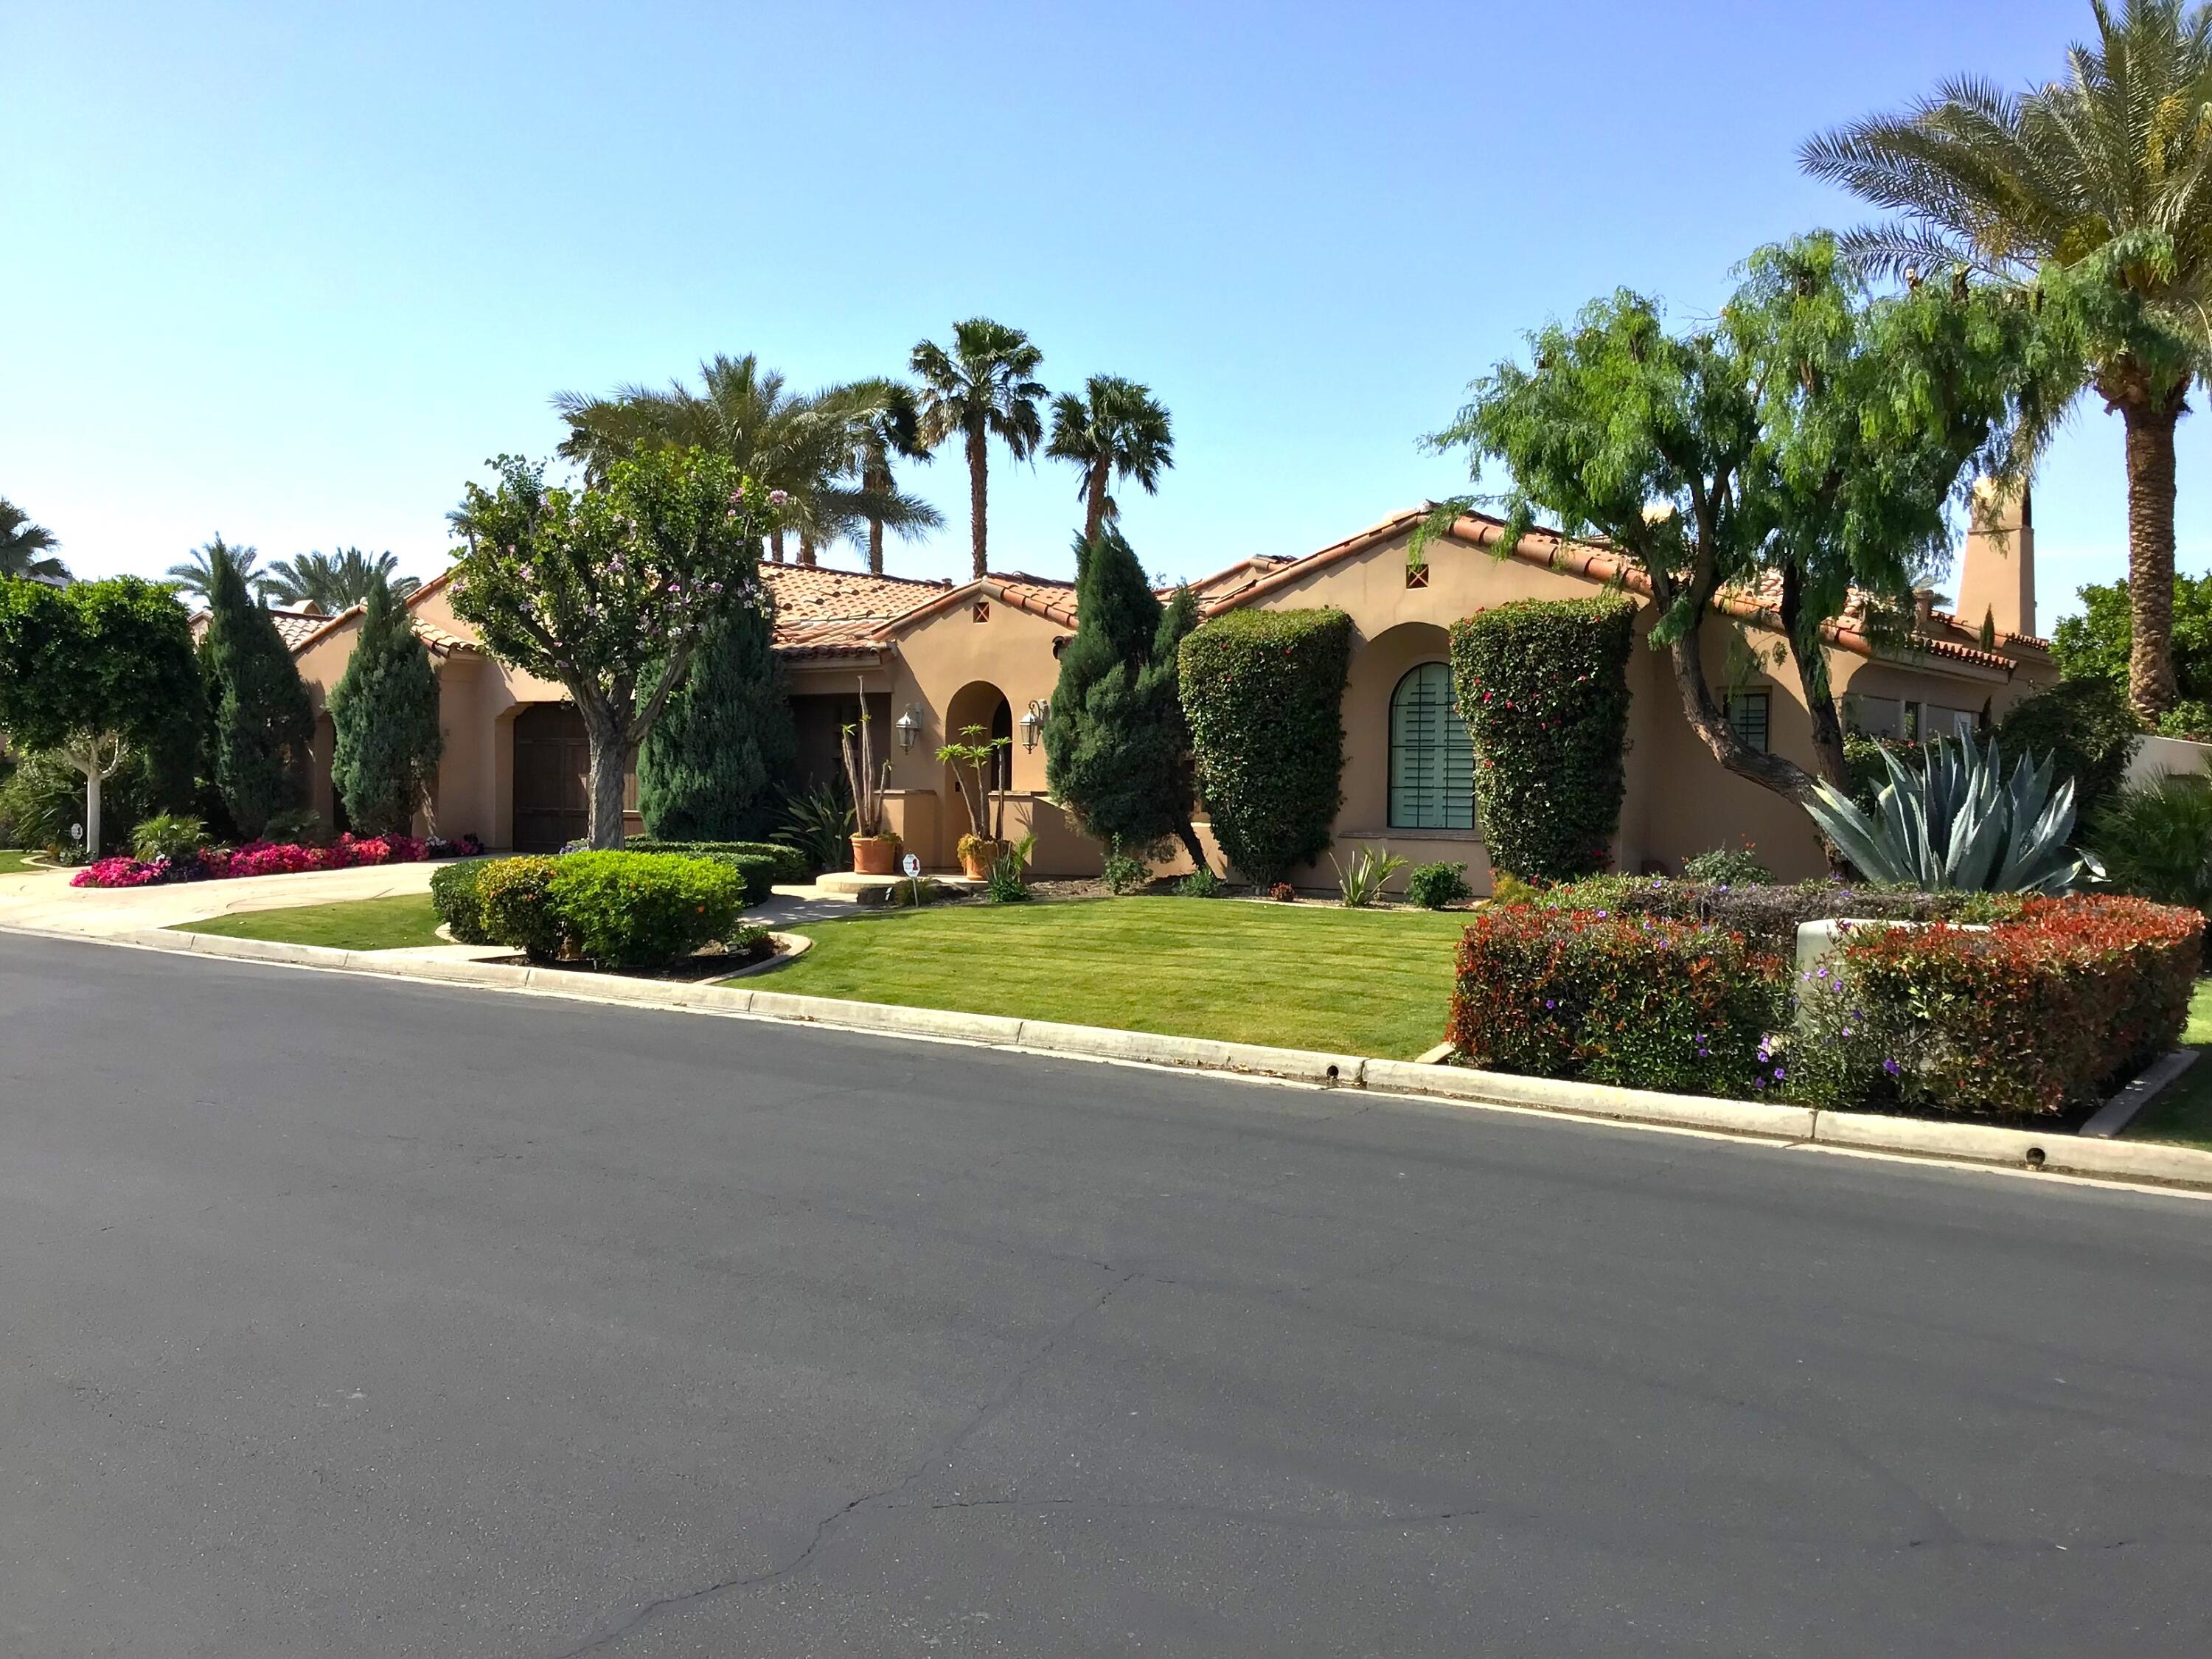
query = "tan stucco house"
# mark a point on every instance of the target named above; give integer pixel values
(933, 658)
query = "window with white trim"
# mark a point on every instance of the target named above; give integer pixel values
(1431, 756)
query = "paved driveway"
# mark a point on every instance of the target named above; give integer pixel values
(347, 1317)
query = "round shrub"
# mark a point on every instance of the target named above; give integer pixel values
(1263, 691)
(643, 910)
(515, 906)
(1731, 866)
(1543, 687)
(459, 905)
(167, 836)
(1437, 886)
(2087, 729)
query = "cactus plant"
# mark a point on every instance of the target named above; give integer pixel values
(1954, 820)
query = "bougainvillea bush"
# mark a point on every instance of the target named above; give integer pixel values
(2041, 1013)
(262, 858)
(1644, 1002)
(1543, 687)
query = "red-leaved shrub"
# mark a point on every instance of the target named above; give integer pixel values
(2035, 1015)
(1644, 1002)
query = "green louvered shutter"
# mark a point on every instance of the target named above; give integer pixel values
(1431, 759)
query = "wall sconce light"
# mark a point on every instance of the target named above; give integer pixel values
(1033, 720)
(908, 727)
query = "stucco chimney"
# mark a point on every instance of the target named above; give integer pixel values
(1997, 578)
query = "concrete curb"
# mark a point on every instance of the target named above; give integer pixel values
(1773, 1124)
(2122, 1110)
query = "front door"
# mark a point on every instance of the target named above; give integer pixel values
(552, 772)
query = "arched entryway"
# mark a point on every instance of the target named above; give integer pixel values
(981, 705)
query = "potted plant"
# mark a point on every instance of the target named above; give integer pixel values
(975, 763)
(875, 852)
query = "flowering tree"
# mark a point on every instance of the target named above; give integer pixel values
(92, 672)
(609, 591)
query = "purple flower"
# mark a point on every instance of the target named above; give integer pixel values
(1892, 1068)
(778, 497)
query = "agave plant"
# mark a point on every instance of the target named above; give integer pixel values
(1956, 821)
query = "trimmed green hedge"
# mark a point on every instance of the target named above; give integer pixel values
(454, 891)
(1543, 687)
(764, 864)
(1263, 691)
(615, 909)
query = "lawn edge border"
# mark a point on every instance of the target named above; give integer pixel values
(2058, 1153)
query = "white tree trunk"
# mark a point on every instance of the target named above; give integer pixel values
(91, 782)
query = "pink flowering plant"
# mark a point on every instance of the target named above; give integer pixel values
(263, 858)
(608, 590)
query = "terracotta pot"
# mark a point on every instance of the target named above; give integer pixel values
(875, 855)
(976, 858)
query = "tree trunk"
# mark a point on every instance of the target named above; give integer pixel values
(2150, 552)
(978, 495)
(806, 547)
(775, 544)
(1189, 837)
(1763, 767)
(606, 730)
(1094, 510)
(91, 782)
(877, 482)
(1813, 680)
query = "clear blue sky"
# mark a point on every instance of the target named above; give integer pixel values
(292, 271)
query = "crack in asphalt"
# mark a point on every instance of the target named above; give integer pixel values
(683, 1601)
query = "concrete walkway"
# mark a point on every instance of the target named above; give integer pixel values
(43, 900)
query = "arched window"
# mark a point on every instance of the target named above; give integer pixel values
(1431, 757)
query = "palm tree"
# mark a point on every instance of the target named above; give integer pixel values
(196, 575)
(2099, 185)
(877, 421)
(982, 388)
(24, 546)
(801, 445)
(1115, 427)
(330, 583)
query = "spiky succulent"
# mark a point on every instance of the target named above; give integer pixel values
(1956, 821)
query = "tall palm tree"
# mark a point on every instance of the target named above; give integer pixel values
(196, 575)
(984, 387)
(2099, 183)
(878, 422)
(1117, 427)
(24, 546)
(330, 583)
(801, 445)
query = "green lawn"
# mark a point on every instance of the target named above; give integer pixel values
(12, 860)
(1297, 977)
(377, 924)
(2183, 1113)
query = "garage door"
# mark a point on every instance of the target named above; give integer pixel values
(552, 780)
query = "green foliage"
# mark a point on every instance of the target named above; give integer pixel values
(1116, 428)
(817, 825)
(2094, 644)
(1005, 884)
(1730, 867)
(515, 907)
(1361, 884)
(1815, 431)
(2156, 840)
(1263, 691)
(167, 836)
(1769, 916)
(334, 582)
(1864, 765)
(297, 825)
(44, 795)
(713, 767)
(1200, 884)
(642, 909)
(384, 713)
(761, 865)
(1124, 873)
(609, 591)
(1543, 687)
(26, 548)
(106, 657)
(1116, 744)
(262, 718)
(455, 889)
(2086, 728)
(1678, 1006)
(1438, 886)
(1956, 820)
(2046, 1009)
(984, 387)
(2190, 719)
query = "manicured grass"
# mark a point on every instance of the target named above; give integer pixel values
(1297, 977)
(379, 924)
(12, 860)
(2184, 1112)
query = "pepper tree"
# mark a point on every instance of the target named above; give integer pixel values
(1810, 438)
(94, 672)
(609, 590)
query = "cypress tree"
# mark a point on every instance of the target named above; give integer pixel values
(1116, 746)
(714, 765)
(384, 713)
(262, 718)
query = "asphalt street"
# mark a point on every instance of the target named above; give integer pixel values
(345, 1316)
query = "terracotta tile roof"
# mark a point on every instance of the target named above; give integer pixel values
(294, 626)
(441, 643)
(1594, 562)
(1236, 575)
(819, 593)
